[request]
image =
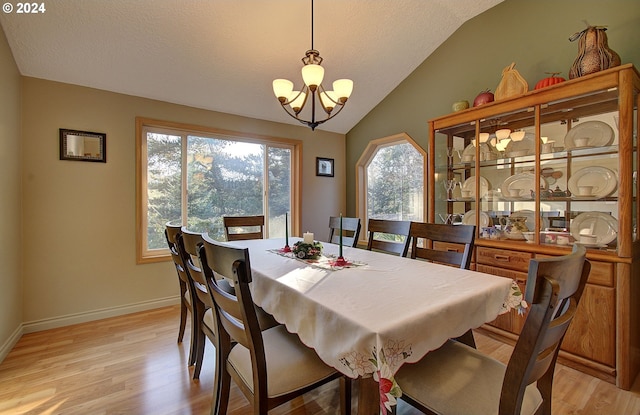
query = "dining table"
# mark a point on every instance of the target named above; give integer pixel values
(368, 315)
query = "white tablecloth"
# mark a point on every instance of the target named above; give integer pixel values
(372, 318)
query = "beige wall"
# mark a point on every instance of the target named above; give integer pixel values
(533, 34)
(10, 217)
(79, 217)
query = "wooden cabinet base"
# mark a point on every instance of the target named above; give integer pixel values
(581, 364)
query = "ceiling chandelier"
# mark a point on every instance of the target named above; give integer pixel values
(331, 101)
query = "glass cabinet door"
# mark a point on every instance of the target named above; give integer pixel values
(545, 175)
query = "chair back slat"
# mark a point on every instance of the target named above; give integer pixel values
(442, 257)
(238, 228)
(350, 230)
(426, 236)
(396, 229)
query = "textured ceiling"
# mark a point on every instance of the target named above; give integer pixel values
(222, 55)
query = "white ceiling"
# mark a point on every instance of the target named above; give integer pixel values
(222, 55)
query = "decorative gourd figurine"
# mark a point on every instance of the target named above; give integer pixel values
(594, 54)
(512, 83)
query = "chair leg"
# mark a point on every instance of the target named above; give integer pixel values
(467, 339)
(345, 395)
(221, 385)
(194, 339)
(200, 345)
(183, 319)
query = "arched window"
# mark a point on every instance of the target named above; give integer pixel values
(391, 180)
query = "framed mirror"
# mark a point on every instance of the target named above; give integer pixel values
(83, 146)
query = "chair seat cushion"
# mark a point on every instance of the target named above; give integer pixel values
(290, 364)
(457, 379)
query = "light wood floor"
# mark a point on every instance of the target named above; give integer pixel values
(133, 365)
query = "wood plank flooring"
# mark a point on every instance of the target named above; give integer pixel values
(132, 365)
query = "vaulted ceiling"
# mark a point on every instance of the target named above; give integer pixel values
(222, 55)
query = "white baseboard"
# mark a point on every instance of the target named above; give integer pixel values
(55, 322)
(11, 341)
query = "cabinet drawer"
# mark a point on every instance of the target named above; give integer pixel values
(602, 273)
(501, 258)
(448, 246)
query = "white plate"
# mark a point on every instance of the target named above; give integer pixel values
(602, 225)
(604, 180)
(524, 181)
(597, 133)
(470, 184)
(531, 219)
(469, 218)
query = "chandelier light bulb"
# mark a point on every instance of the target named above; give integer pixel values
(296, 100)
(312, 75)
(484, 137)
(343, 89)
(329, 100)
(282, 89)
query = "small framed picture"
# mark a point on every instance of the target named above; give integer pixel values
(324, 167)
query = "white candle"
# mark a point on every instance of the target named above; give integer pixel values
(307, 237)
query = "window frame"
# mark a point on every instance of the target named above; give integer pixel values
(146, 255)
(361, 175)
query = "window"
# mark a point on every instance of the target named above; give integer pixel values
(194, 177)
(391, 177)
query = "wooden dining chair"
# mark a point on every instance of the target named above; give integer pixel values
(171, 233)
(457, 379)
(270, 367)
(237, 228)
(350, 230)
(444, 244)
(390, 236)
(188, 243)
(206, 328)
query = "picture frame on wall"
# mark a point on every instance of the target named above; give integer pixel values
(324, 167)
(83, 146)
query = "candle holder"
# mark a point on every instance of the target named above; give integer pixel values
(340, 262)
(286, 248)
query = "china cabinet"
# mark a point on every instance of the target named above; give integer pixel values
(538, 173)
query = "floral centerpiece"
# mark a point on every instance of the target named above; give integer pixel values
(304, 250)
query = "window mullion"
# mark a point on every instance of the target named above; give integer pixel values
(184, 179)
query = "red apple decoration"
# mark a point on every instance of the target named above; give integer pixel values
(552, 80)
(483, 97)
